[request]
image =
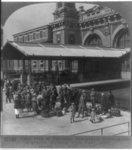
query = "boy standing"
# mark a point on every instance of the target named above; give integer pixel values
(73, 112)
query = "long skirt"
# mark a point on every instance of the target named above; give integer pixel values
(17, 111)
(34, 106)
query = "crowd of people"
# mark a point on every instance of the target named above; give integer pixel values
(50, 100)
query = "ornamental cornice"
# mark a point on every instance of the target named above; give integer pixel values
(98, 26)
(67, 23)
(100, 16)
(101, 21)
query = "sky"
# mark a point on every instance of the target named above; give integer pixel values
(32, 16)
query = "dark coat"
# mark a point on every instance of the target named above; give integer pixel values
(17, 103)
(82, 101)
(73, 110)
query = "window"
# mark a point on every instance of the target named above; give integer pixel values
(67, 65)
(25, 38)
(34, 64)
(20, 64)
(21, 39)
(46, 65)
(31, 36)
(38, 35)
(61, 65)
(43, 65)
(126, 65)
(123, 40)
(16, 65)
(58, 65)
(93, 40)
(54, 65)
(58, 37)
(44, 34)
(75, 66)
(26, 65)
(34, 36)
(41, 33)
(15, 39)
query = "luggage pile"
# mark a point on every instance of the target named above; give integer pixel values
(115, 112)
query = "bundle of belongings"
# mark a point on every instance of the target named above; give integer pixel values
(58, 109)
(45, 113)
(106, 115)
(95, 118)
(115, 112)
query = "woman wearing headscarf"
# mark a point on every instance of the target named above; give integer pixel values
(17, 104)
(34, 103)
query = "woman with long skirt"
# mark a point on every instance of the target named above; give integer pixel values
(34, 103)
(17, 104)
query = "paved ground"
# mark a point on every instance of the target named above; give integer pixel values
(29, 125)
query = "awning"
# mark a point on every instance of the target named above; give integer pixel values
(28, 50)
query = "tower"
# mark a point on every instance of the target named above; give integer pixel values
(65, 25)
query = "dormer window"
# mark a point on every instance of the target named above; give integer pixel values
(58, 38)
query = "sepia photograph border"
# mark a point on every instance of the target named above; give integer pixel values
(110, 142)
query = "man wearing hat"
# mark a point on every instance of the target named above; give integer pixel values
(82, 103)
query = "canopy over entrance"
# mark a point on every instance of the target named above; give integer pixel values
(14, 50)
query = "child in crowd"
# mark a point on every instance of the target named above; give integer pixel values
(93, 115)
(73, 112)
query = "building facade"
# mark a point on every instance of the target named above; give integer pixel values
(95, 27)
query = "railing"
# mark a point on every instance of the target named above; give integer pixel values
(103, 128)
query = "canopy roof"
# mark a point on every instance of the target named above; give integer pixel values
(14, 50)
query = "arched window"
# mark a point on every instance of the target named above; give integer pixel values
(93, 40)
(122, 39)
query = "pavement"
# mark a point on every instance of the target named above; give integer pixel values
(28, 124)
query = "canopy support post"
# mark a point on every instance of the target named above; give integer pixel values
(29, 73)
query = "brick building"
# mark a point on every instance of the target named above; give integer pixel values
(101, 32)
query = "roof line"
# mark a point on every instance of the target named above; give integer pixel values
(16, 46)
(74, 46)
(30, 30)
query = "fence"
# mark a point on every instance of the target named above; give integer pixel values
(103, 128)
